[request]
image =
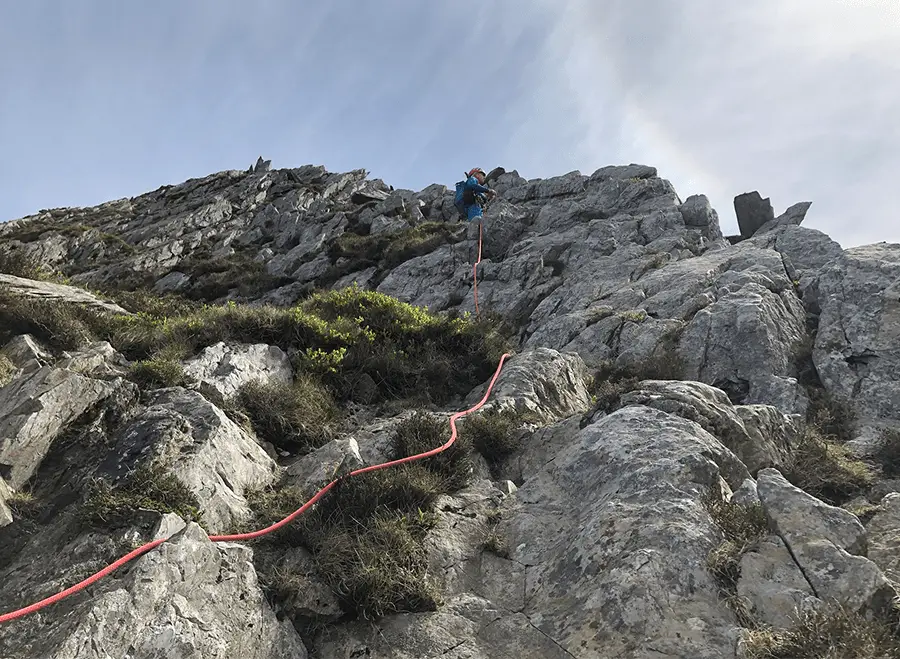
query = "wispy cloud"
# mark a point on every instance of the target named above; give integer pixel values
(104, 99)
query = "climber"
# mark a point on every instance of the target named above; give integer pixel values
(471, 195)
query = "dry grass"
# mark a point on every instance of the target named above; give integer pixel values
(7, 370)
(889, 453)
(832, 633)
(366, 537)
(610, 381)
(494, 434)
(423, 432)
(386, 251)
(742, 527)
(295, 417)
(150, 487)
(826, 469)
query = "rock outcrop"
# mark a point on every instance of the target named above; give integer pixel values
(660, 373)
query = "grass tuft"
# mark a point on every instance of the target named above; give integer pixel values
(827, 633)
(826, 469)
(149, 487)
(423, 432)
(742, 527)
(366, 537)
(294, 417)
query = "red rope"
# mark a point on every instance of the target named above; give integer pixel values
(475, 267)
(12, 615)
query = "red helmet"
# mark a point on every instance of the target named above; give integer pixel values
(476, 170)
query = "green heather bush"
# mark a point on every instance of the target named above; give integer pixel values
(336, 335)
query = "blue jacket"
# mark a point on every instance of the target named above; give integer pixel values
(474, 210)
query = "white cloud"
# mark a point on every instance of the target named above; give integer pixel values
(796, 99)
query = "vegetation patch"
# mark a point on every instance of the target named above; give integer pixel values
(335, 335)
(366, 537)
(610, 381)
(157, 373)
(423, 432)
(494, 434)
(7, 370)
(213, 278)
(18, 263)
(827, 633)
(742, 527)
(294, 417)
(493, 541)
(60, 325)
(33, 229)
(385, 251)
(826, 469)
(24, 506)
(150, 487)
(834, 417)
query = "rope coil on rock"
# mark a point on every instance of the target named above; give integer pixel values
(12, 615)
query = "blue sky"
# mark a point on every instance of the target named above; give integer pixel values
(799, 99)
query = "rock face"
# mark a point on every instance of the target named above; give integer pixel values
(759, 435)
(544, 382)
(45, 290)
(215, 608)
(210, 454)
(226, 369)
(35, 409)
(829, 545)
(583, 536)
(856, 351)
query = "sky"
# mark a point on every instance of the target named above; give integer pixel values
(798, 99)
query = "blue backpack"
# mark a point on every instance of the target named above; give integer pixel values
(463, 198)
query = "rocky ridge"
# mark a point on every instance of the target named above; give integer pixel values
(702, 456)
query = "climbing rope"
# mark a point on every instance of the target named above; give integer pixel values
(475, 267)
(12, 615)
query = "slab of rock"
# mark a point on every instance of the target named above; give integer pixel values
(6, 516)
(35, 409)
(796, 514)
(759, 435)
(752, 212)
(99, 360)
(746, 494)
(773, 584)
(697, 212)
(857, 350)
(828, 544)
(608, 499)
(884, 537)
(210, 454)
(46, 290)
(793, 216)
(189, 596)
(766, 324)
(318, 468)
(227, 368)
(546, 382)
(26, 353)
